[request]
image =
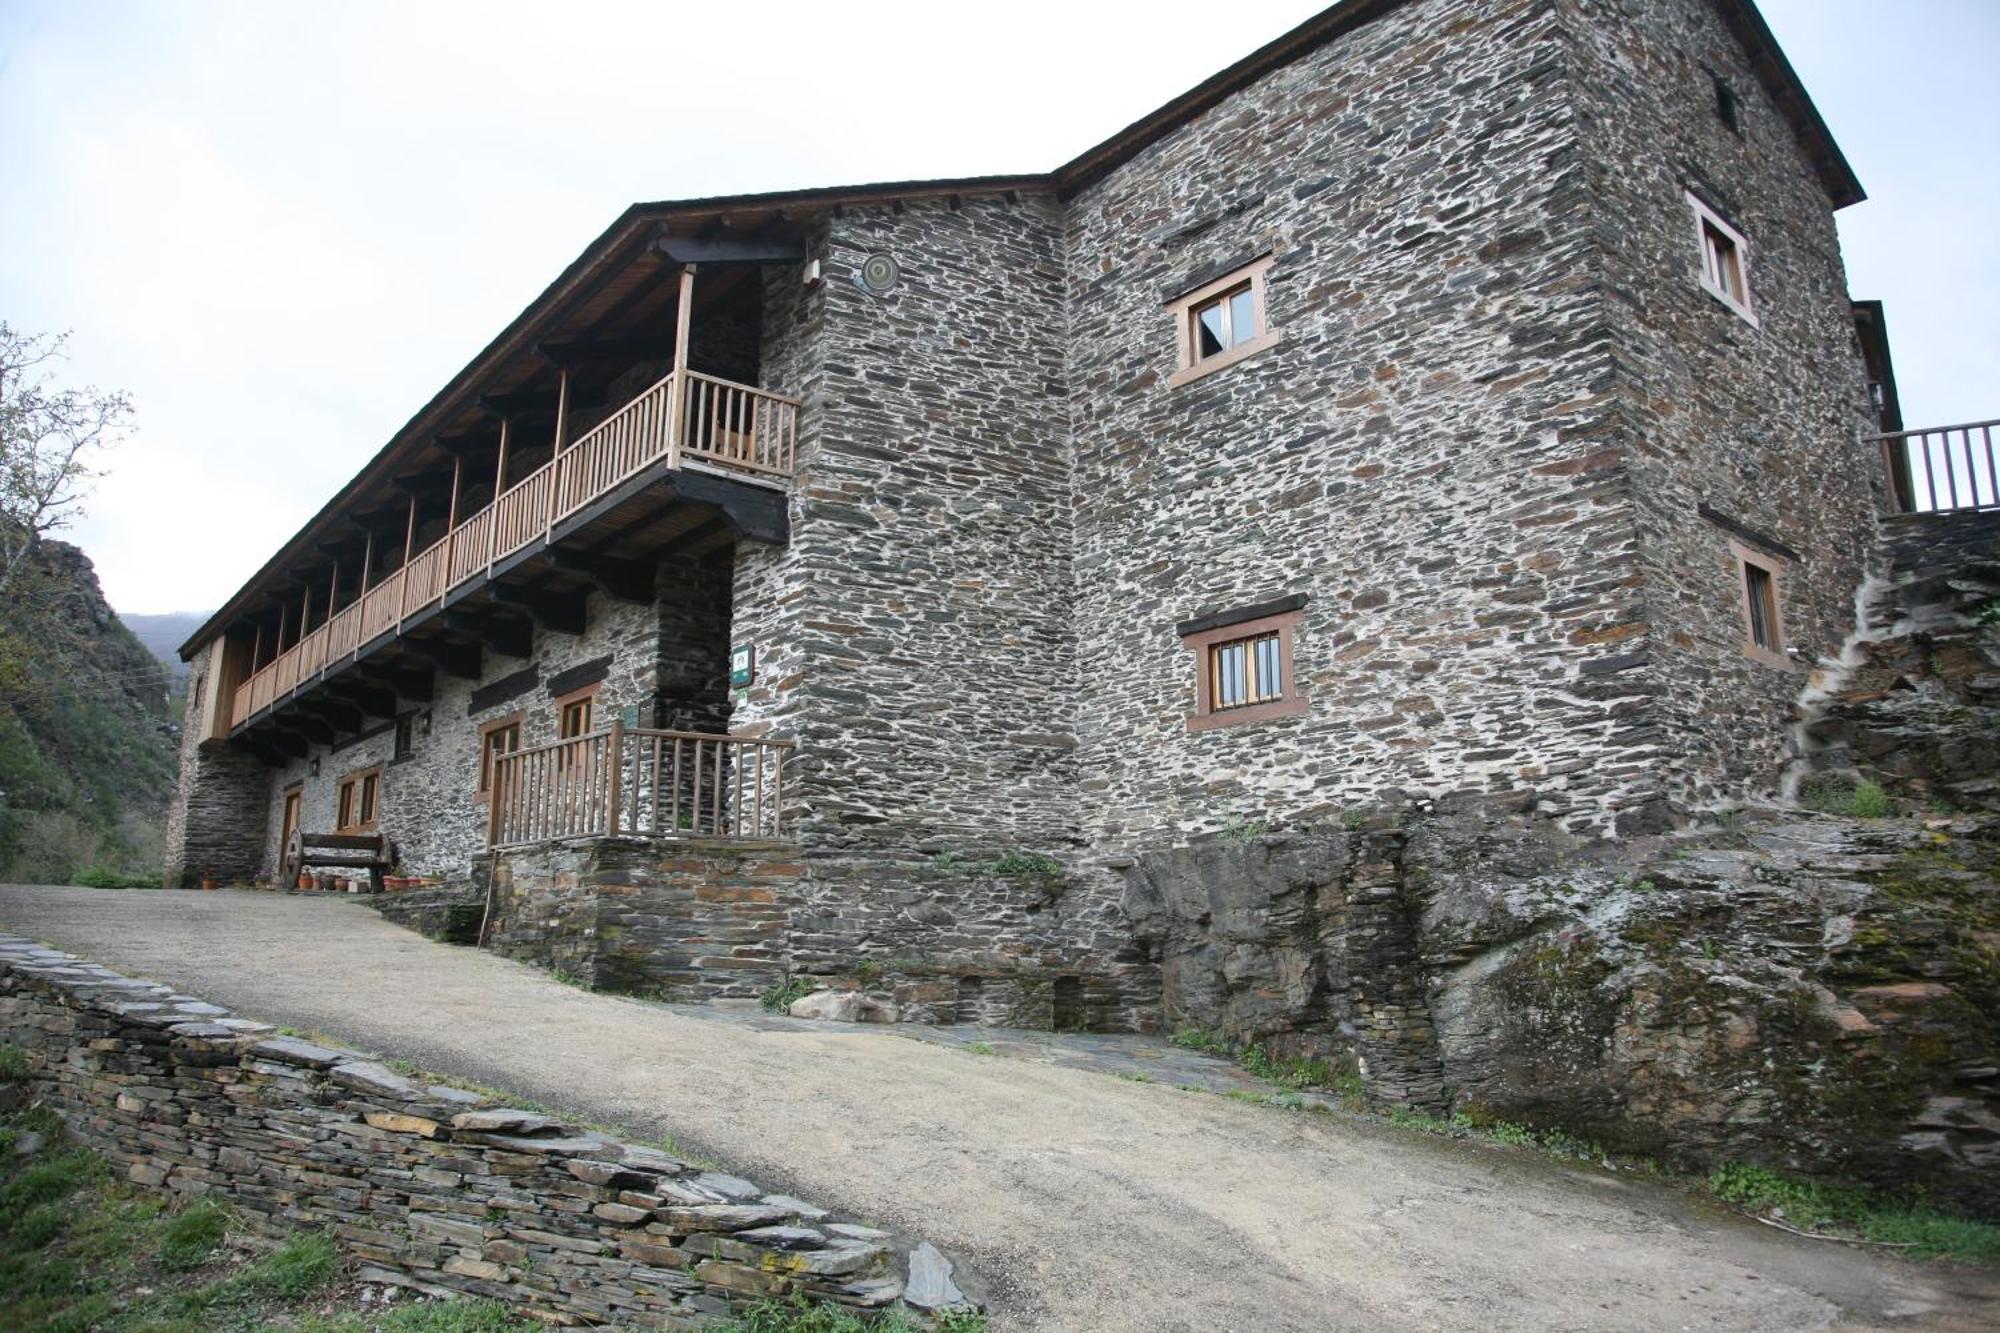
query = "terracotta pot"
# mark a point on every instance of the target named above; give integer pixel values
(305, 881)
(208, 886)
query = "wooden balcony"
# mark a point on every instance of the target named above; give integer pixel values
(687, 422)
(641, 783)
(1943, 470)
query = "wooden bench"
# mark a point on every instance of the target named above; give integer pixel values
(370, 851)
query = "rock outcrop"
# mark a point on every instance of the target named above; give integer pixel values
(1812, 992)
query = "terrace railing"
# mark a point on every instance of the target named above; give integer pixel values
(640, 782)
(722, 425)
(1942, 470)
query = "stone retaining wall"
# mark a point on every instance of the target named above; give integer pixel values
(427, 1187)
(943, 940)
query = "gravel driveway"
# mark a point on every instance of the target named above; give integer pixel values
(1076, 1201)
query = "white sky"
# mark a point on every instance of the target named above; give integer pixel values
(283, 226)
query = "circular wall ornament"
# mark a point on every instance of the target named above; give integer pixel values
(877, 274)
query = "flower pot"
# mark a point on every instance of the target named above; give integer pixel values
(208, 884)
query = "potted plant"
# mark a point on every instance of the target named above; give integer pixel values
(208, 881)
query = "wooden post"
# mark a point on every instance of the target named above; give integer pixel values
(457, 470)
(333, 590)
(555, 459)
(367, 559)
(677, 394)
(616, 744)
(499, 489)
(410, 532)
(256, 646)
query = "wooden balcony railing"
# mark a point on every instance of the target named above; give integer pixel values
(1943, 469)
(640, 782)
(728, 426)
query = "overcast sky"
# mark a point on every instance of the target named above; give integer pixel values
(283, 226)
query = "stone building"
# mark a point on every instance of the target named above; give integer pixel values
(1451, 398)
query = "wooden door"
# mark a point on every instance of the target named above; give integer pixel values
(291, 818)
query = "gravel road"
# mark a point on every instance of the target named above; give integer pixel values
(1077, 1201)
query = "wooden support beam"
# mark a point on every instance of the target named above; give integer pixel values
(412, 681)
(313, 728)
(543, 402)
(453, 658)
(595, 351)
(732, 249)
(623, 580)
(370, 699)
(563, 614)
(756, 512)
(336, 712)
(506, 635)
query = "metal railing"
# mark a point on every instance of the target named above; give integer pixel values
(730, 426)
(640, 782)
(1942, 470)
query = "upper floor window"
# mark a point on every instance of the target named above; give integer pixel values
(1222, 322)
(1725, 105)
(1725, 259)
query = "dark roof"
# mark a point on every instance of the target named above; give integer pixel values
(1067, 180)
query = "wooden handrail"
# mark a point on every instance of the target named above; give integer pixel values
(640, 782)
(725, 425)
(1942, 469)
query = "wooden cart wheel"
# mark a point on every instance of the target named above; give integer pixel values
(295, 855)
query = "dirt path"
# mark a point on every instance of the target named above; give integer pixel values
(1078, 1201)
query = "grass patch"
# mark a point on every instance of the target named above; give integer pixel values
(1861, 800)
(188, 1238)
(981, 1048)
(798, 1315)
(97, 877)
(1855, 1213)
(13, 1064)
(781, 997)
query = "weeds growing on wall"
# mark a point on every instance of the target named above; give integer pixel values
(800, 1316)
(780, 997)
(1862, 800)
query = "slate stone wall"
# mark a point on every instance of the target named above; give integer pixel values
(215, 821)
(914, 637)
(430, 803)
(424, 1186)
(689, 920)
(1421, 456)
(1760, 424)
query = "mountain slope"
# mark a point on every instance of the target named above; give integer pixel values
(87, 732)
(163, 635)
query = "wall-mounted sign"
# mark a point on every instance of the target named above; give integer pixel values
(742, 665)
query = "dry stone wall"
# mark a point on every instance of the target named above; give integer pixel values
(216, 820)
(1758, 425)
(426, 1186)
(1421, 456)
(430, 803)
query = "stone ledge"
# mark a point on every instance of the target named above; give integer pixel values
(491, 1196)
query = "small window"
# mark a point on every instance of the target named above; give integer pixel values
(1725, 260)
(501, 736)
(357, 807)
(1725, 105)
(1243, 669)
(406, 735)
(574, 712)
(1758, 576)
(1222, 322)
(1245, 672)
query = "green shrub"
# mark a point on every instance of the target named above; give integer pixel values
(97, 877)
(13, 1064)
(1811, 1205)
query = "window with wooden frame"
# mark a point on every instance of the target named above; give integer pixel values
(357, 806)
(1221, 322)
(1759, 586)
(1725, 259)
(500, 736)
(1243, 664)
(575, 711)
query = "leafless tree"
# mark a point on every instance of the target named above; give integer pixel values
(50, 438)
